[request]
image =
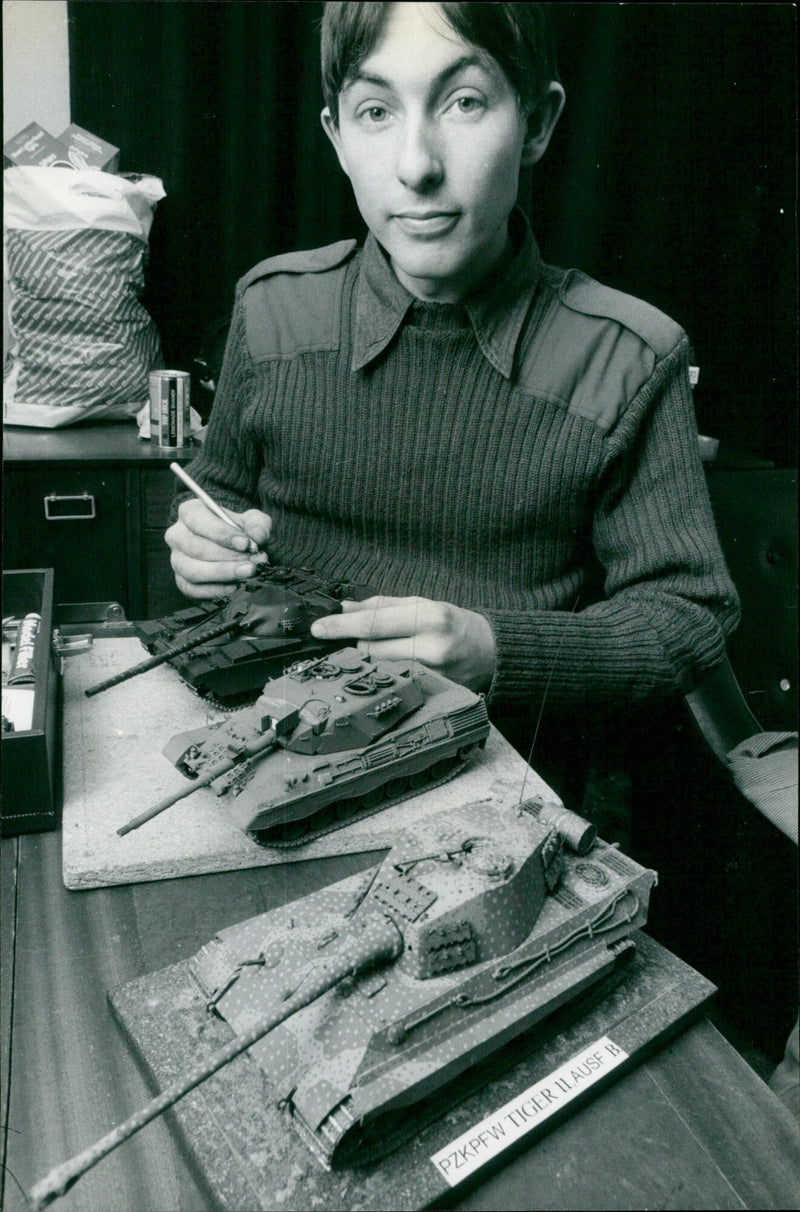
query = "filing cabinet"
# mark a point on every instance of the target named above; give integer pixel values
(91, 502)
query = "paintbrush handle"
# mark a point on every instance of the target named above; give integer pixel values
(210, 503)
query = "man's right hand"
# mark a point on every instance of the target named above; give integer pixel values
(210, 558)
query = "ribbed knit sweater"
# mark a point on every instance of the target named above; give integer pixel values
(558, 492)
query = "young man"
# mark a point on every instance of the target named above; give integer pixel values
(507, 450)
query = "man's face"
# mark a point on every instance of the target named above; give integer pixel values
(432, 137)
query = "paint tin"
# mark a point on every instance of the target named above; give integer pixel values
(170, 392)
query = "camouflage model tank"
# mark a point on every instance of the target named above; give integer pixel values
(499, 916)
(227, 647)
(363, 1000)
(348, 731)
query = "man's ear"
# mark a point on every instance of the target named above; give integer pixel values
(541, 124)
(331, 128)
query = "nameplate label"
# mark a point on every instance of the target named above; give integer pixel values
(522, 1114)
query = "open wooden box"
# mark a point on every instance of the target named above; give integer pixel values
(31, 758)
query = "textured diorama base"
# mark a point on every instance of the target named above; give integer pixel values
(244, 1151)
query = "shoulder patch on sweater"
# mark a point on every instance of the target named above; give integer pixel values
(588, 297)
(292, 302)
(307, 261)
(595, 349)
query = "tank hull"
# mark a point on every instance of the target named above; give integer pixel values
(443, 734)
(369, 1122)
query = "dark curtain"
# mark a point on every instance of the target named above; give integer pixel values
(671, 175)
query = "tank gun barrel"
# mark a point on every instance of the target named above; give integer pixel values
(377, 940)
(162, 657)
(251, 749)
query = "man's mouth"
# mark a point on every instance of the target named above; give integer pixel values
(426, 223)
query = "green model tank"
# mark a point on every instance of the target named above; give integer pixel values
(330, 738)
(226, 648)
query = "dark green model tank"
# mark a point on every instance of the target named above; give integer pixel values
(331, 737)
(227, 647)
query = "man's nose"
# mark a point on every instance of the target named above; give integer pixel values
(419, 164)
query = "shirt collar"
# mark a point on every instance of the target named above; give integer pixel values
(497, 311)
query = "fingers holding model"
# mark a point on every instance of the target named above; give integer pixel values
(458, 643)
(208, 556)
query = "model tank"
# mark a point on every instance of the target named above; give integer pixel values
(330, 738)
(364, 1002)
(227, 647)
(497, 921)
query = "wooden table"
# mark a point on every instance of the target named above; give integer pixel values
(694, 1127)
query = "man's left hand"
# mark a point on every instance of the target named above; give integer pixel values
(456, 642)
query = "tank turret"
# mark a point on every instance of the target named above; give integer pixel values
(350, 731)
(364, 1002)
(227, 647)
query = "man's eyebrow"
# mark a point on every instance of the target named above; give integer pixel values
(458, 65)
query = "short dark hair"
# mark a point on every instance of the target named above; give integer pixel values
(517, 36)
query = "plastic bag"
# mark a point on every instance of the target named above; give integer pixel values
(81, 343)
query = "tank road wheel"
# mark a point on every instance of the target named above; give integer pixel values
(420, 778)
(289, 831)
(439, 769)
(326, 816)
(370, 799)
(397, 786)
(346, 809)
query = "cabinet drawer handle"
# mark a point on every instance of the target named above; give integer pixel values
(54, 503)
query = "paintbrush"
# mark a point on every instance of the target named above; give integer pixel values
(211, 504)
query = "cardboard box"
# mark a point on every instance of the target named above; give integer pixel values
(74, 148)
(35, 145)
(30, 771)
(85, 150)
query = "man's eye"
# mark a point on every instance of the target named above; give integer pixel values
(374, 115)
(468, 104)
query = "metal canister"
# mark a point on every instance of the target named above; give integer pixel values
(23, 668)
(170, 392)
